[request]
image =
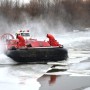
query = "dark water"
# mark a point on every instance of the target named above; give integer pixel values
(64, 82)
(73, 74)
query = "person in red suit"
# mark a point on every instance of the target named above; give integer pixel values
(21, 42)
(52, 41)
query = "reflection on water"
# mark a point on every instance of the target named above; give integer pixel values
(52, 79)
(65, 83)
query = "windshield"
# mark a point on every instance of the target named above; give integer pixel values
(25, 34)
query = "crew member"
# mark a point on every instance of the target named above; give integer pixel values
(21, 42)
(52, 41)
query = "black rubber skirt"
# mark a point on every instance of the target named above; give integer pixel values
(41, 54)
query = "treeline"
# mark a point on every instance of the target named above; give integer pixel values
(74, 12)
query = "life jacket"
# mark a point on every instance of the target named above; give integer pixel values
(52, 40)
(21, 42)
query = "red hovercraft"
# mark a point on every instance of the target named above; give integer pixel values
(24, 49)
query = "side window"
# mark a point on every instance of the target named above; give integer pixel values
(25, 34)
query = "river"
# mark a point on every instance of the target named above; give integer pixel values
(73, 74)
